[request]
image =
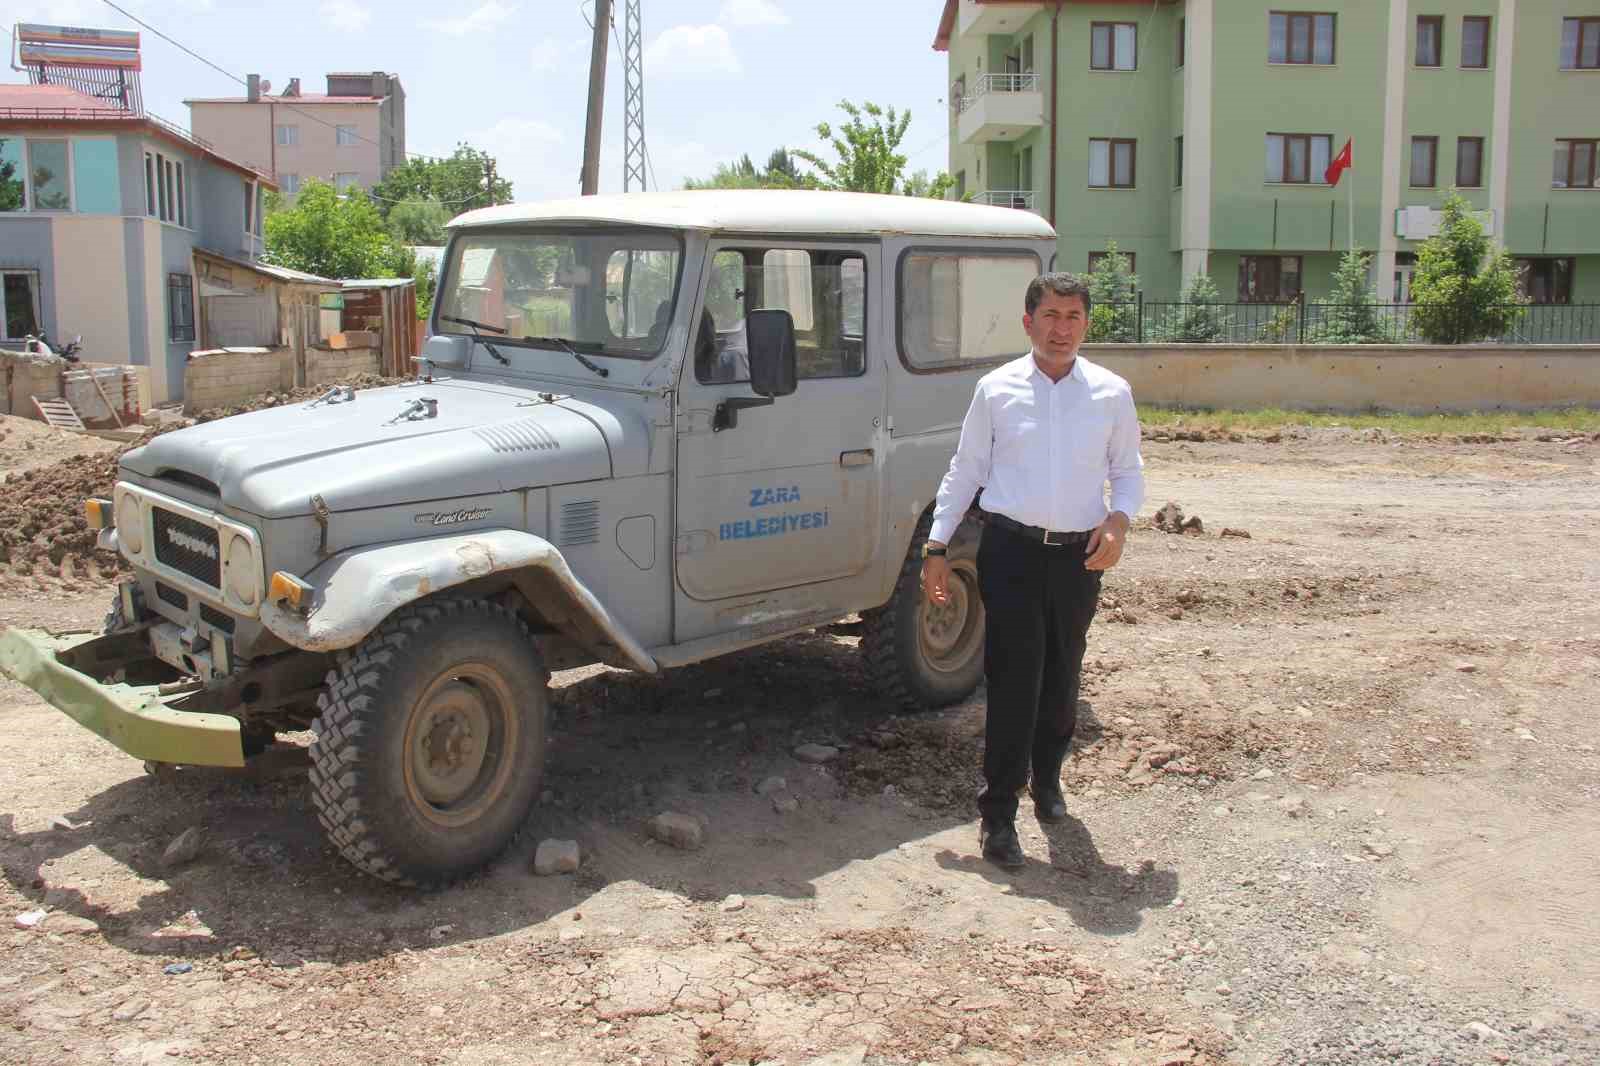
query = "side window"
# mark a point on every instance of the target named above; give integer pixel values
(824, 291)
(957, 308)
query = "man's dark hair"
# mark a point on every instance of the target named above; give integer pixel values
(1060, 283)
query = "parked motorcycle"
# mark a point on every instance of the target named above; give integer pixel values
(40, 345)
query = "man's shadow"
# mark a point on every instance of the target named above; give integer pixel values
(1100, 897)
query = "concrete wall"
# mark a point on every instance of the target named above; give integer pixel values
(1402, 378)
(22, 377)
(93, 297)
(225, 378)
(28, 243)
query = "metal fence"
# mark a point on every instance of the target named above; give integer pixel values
(1142, 321)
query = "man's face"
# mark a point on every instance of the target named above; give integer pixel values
(1057, 325)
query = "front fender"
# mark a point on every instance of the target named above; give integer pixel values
(355, 590)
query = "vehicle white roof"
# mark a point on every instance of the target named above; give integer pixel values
(773, 211)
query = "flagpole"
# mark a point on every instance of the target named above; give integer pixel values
(1350, 213)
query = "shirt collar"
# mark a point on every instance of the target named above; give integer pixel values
(1076, 373)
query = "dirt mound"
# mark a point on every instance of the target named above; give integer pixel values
(43, 532)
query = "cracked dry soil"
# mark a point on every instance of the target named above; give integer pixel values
(1334, 801)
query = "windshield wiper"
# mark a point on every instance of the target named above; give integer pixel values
(588, 364)
(477, 328)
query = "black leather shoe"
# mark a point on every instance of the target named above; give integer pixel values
(1000, 844)
(1049, 804)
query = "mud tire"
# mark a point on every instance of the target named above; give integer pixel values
(462, 677)
(910, 668)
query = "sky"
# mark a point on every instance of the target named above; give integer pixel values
(721, 77)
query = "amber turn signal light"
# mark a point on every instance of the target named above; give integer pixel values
(99, 513)
(288, 589)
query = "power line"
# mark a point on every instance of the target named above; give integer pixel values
(277, 100)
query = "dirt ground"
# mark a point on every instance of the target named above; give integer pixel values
(1334, 801)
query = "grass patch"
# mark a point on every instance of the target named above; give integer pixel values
(1569, 420)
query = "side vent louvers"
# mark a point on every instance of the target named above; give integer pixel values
(580, 523)
(526, 435)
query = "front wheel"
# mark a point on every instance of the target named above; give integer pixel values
(921, 655)
(430, 743)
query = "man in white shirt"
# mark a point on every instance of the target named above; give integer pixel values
(1043, 436)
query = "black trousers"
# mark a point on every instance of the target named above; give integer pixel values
(1039, 600)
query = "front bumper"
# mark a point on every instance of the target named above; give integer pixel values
(133, 718)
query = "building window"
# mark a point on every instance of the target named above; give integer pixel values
(1575, 167)
(150, 184)
(345, 134)
(1111, 163)
(290, 183)
(1424, 162)
(1580, 44)
(180, 307)
(1113, 46)
(288, 136)
(48, 177)
(1475, 42)
(1027, 54)
(1298, 158)
(19, 300)
(180, 192)
(169, 193)
(1300, 37)
(1096, 258)
(1469, 162)
(1546, 281)
(1269, 278)
(1177, 155)
(249, 207)
(341, 182)
(1430, 40)
(1183, 33)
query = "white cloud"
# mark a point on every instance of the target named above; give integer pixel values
(691, 51)
(551, 55)
(486, 16)
(752, 13)
(533, 155)
(347, 15)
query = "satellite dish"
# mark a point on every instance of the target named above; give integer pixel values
(266, 86)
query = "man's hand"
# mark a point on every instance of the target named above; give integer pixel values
(1105, 543)
(936, 579)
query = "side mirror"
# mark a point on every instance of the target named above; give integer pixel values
(769, 335)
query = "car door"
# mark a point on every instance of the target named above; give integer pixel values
(789, 495)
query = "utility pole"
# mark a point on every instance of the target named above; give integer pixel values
(597, 97)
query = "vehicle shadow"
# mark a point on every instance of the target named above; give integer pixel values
(624, 748)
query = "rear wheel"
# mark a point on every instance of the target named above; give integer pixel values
(919, 654)
(430, 743)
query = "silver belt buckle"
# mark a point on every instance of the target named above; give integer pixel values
(1051, 533)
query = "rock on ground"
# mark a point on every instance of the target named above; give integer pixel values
(556, 857)
(679, 830)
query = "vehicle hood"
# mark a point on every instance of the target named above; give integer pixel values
(365, 452)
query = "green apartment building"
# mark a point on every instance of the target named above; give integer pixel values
(1196, 133)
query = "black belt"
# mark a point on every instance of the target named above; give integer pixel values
(1052, 537)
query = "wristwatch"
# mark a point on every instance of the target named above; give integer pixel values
(932, 549)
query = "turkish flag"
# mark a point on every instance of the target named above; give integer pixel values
(1340, 164)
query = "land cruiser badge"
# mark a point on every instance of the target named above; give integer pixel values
(451, 518)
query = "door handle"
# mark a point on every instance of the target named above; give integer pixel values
(862, 457)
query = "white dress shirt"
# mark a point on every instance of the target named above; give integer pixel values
(1042, 450)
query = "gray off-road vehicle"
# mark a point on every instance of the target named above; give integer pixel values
(647, 430)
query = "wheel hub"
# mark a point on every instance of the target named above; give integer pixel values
(451, 743)
(951, 633)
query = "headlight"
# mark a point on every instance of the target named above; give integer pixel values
(242, 571)
(130, 525)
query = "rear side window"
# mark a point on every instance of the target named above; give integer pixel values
(958, 308)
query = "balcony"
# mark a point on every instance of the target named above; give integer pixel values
(1021, 199)
(994, 16)
(1000, 107)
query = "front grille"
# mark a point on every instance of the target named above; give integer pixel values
(187, 546)
(169, 595)
(215, 618)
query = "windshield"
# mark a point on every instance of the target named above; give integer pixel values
(610, 292)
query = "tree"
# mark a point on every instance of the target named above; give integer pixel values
(1463, 289)
(780, 173)
(1351, 315)
(418, 221)
(426, 276)
(1203, 318)
(1113, 296)
(869, 161)
(457, 183)
(334, 236)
